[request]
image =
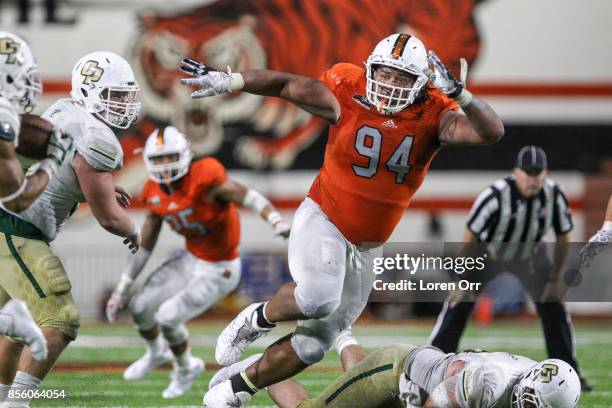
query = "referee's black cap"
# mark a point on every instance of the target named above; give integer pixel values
(531, 159)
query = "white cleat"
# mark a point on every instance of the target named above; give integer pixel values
(222, 396)
(24, 327)
(237, 336)
(143, 366)
(228, 372)
(183, 378)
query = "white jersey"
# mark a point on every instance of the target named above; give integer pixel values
(96, 142)
(428, 365)
(10, 122)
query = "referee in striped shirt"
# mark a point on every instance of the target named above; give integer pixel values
(512, 215)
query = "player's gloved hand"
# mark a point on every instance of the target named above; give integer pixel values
(113, 306)
(409, 392)
(282, 229)
(123, 197)
(446, 82)
(596, 244)
(133, 240)
(119, 298)
(60, 144)
(212, 81)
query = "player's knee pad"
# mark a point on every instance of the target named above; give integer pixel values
(315, 308)
(311, 343)
(142, 314)
(175, 335)
(171, 313)
(62, 316)
(60, 312)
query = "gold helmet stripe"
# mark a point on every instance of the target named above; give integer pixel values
(160, 137)
(400, 44)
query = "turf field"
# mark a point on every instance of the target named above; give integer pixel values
(90, 371)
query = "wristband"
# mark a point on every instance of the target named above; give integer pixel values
(607, 226)
(236, 82)
(464, 98)
(124, 283)
(255, 201)
(17, 193)
(274, 217)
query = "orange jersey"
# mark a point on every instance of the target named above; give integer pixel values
(374, 163)
(211, 229)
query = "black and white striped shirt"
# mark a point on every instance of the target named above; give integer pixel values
(502, 214)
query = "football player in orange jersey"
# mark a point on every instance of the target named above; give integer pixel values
(386, 124)
(198, 201)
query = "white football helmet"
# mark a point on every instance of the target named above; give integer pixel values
(403, 52)
(19, 76)
(549, 384)
(105, 84)
(167, 155)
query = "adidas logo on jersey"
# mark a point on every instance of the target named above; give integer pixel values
(172, 206)
(390, 124)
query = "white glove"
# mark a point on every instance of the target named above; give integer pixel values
(60, 144)
(119, 298)
(282, 229)
(446, 82)
(596, 244)
(409, 392)
(212, 81)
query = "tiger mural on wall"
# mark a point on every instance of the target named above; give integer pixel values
(304, 37)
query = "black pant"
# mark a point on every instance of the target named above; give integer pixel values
(558, 330)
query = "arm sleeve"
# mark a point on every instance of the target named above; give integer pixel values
(562, 215)
(101, 149)
(483, 210)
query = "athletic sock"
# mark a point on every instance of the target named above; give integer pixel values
(184, 359)
(4, 389)
(241, 383)
(345, 339)
(262, 320)
(25, 382)
(156, 345)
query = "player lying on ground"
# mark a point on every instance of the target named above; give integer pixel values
(198, 201)
(386, 125)
(403, 375)
(598, 242)
(103, 95)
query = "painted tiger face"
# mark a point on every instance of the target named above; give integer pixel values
(157, 55)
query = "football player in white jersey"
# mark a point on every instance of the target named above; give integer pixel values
(103, 96)
(20, 88)
(409, 376)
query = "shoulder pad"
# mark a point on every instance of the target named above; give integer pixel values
(101, 149)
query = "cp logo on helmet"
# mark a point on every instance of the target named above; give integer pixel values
(91, 72)
(9, 47)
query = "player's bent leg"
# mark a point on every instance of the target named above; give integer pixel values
(164, 282)
(17, 322)
(374, 382)
(288, 394)
(33, 273)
